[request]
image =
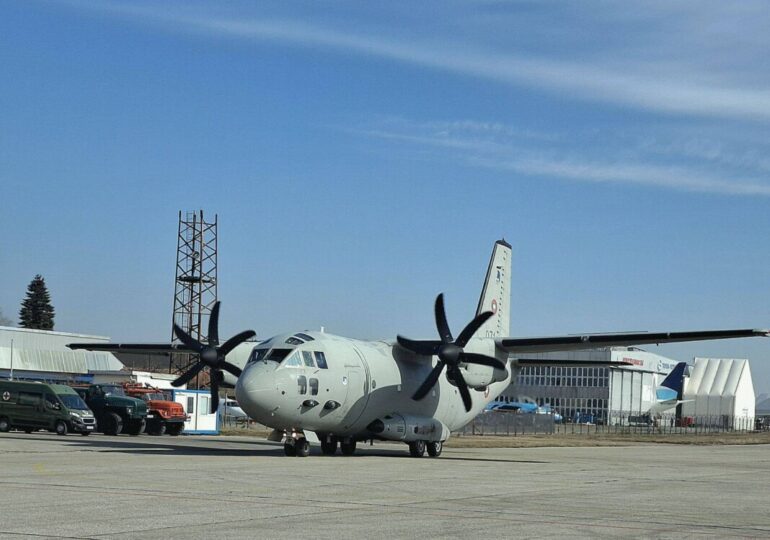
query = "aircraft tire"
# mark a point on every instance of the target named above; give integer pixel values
(5, 424)
(302, 448)
(435, 448)
(348, 448)
(329, 448)
(289, 449)
(417, 448)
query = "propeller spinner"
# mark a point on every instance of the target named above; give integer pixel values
(211, 355)
(450, 353)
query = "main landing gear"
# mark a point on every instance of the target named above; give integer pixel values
(417, 448)
(298, 446)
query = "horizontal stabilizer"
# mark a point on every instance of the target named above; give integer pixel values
(598, 341)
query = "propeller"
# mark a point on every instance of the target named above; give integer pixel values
(211, 355)
(450, 353)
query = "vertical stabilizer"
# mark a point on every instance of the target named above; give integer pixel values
(496, 294)
(675, 379)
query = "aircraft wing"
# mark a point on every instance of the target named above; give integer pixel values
(597, 341)
(138, 348)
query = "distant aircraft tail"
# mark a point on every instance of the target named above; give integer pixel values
(675, 380)
(496, 294)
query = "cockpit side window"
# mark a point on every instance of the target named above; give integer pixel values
(304, 336)
(294, 341)
(257, 355)
(307, 357)
(320, 359)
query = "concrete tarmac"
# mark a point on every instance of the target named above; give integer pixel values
(236, 487)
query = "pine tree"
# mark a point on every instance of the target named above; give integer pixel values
(36, 309)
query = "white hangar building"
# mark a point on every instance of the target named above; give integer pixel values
(42, 355)
(720, 392)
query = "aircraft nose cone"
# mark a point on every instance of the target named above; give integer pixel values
(256, 390)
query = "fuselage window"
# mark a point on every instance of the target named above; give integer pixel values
(307, 357)
(278, 354)
(302, 384)
(293, 360)
(320, 359)
(313, 387)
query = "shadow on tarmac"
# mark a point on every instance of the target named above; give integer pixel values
(149, 445)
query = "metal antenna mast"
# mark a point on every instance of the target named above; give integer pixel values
(195, 285)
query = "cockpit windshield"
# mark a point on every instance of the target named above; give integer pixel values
(276, 355)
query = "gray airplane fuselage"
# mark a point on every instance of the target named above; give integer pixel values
(363, 381)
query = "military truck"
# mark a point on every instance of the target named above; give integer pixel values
(115, 412)
(163, 415)
(31, 406)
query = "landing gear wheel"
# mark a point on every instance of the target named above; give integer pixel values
(113, 424)
(435, 448)
(302, 448)
(289, 449)
(5, 424)
(417, 448)
(329, 447)
(348, 448)
(85, 433)
(60, 427)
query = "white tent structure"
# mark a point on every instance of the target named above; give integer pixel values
(720, 392)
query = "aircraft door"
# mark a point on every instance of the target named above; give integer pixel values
(357, 388)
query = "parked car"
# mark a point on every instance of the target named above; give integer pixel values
(31, 406)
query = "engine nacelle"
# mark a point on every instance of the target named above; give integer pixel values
(407, 428)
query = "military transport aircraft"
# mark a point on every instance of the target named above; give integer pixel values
(318, 387)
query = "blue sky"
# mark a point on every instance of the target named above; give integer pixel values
(363, 157)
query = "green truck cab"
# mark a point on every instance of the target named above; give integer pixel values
(115, 412)
(31, 406)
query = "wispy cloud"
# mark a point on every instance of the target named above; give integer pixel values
(677, 89)
(482, 145)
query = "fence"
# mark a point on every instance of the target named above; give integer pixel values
(615, 422)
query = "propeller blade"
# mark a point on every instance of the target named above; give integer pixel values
(462, 386)
(428, 383)
(187, 339)
(231, 368)
(425, 347)
(214, 325)
(441, 323)
(471, 328)
(215, 378)
(234, 341)
(188, 375)
(482, 359)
